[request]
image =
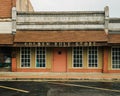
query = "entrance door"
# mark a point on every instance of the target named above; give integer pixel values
(5, 59)
(60, 60)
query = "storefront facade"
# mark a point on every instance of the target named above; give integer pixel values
(75, 59)
(72, 54)
(86, 41)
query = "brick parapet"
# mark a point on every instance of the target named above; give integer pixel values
(6, 8)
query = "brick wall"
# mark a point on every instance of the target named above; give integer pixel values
(6, 8)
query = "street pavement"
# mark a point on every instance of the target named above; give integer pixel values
(59, 88)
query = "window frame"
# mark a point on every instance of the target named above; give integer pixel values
(97, 58)
(21, 57)
(112, 58)
(73, 58)
(36, 58)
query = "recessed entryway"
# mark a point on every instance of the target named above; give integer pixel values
(5, 59)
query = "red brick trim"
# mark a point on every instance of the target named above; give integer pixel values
(84, 70)
(14, 65)
(113, 71)
(33, 70)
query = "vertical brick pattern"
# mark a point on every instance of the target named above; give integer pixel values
(105, 60)
(14, 65)
(14, 3)
(6, 8)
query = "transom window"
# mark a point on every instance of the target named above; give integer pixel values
(93, 56)
(77, 56)
(40, 57)
(25, 57)
(116, 58)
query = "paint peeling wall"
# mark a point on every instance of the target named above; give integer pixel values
(93, 20)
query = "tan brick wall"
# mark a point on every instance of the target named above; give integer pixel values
(100, 58)
(49, 58)
(69, 58)
(18, 57)
(85, 59)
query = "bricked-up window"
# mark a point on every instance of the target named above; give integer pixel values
(116, 57)
(77, 57)
(93, 56)
(41, 57)
(25, 57)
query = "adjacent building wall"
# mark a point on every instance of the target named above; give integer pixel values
(6, 15)
(6, 8)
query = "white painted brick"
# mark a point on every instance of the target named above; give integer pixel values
(5, 27)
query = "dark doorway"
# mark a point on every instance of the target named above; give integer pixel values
(5, 59)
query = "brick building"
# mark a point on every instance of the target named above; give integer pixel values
(80, 41)
(6, 23)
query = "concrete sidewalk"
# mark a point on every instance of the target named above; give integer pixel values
(59, 76)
